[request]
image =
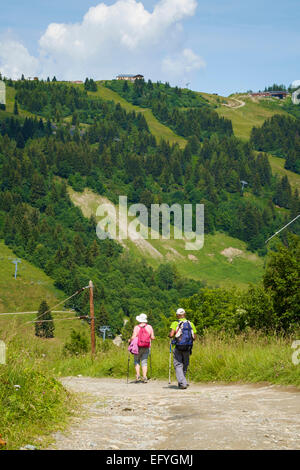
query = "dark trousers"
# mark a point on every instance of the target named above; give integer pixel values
(181, 361)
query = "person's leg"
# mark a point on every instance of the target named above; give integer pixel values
(144, 362)
(178, 366)
(137, 365)
(144, 369)
(186, 361)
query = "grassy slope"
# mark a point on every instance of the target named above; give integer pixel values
(10, 101)
(31, 281)
(254, 113)
(159, 130)
(25, 294)
(41, 406)
(210, 265)
(277, 165)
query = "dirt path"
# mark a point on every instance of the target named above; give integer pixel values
(232, 106)
(158, 416)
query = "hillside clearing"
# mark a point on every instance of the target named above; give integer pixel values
(206, 264)
(234, 103)
(10, 101)
(244, 118)
(277, 165)
(160, 131)
(34, 284)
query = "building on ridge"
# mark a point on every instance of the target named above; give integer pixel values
(130, 77)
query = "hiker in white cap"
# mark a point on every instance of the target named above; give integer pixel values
(184, 332)
(145, 334)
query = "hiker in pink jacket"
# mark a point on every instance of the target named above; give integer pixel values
(144, 334)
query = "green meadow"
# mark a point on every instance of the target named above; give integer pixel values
(254, 113)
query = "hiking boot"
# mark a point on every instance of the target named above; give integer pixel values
(138, 379)
(144, 380)
(182, 387)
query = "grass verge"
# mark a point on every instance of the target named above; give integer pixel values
(249, 358)
(33, 404)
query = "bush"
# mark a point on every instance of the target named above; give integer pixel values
(78, 344)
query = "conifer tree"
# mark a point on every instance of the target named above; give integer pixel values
(125, 87)
(101, 318)
(16, 110)
(44, 329)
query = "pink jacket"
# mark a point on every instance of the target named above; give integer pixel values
(133, 347)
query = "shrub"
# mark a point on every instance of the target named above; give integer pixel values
(78, 344)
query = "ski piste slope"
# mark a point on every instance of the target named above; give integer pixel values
(223, 260)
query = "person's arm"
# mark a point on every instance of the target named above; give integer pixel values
(194, 331)
(173, 328)
(134, 335)
(150, 331)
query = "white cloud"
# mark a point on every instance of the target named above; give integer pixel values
(123, 37)
(120, 38)
(15, 60)
(182, 63)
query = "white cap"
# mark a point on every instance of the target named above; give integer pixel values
(180, 311)
(142, 318)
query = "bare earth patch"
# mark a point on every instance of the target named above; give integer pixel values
(173, 254)
(234, 103)
(205, 416)
(192, 258)
(231, 253)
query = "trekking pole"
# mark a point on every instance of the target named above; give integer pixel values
(150, 365)
(128, 366)
(170, 361)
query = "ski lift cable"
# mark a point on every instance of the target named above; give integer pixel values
(276, 233)
(63, 301)
(36, 311)
(60, 319)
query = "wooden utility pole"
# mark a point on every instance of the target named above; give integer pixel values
(92, 315)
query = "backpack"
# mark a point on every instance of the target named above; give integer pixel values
(184, 336)
(143, 338)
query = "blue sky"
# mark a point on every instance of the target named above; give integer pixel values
(217, 46)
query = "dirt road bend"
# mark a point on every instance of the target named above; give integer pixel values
(159, 416)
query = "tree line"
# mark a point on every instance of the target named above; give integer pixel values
(118, 151)
(279, 135)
